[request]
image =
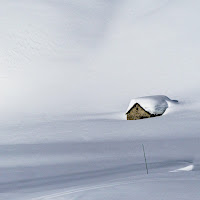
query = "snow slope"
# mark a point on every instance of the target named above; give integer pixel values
(68, 70)
(68, 53)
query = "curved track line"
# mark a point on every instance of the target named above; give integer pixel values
(80, 190)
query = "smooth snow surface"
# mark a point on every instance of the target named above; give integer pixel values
(94, 158)
(67, 56)
(68, 69)
(153, 104)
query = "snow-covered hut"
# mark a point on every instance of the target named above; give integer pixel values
(149, 106)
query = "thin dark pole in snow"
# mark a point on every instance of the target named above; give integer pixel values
(145, 159)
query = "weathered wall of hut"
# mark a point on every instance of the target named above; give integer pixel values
(137, 112)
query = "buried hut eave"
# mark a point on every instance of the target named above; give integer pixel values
(140, 107)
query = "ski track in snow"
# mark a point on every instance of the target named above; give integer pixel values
(84, 189)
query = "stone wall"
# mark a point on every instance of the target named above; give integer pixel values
(137, 112)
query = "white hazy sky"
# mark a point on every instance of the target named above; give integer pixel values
(65, 56)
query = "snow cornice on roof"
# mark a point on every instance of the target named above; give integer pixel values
(155, 105)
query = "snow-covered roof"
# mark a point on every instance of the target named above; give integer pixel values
(153, 104)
